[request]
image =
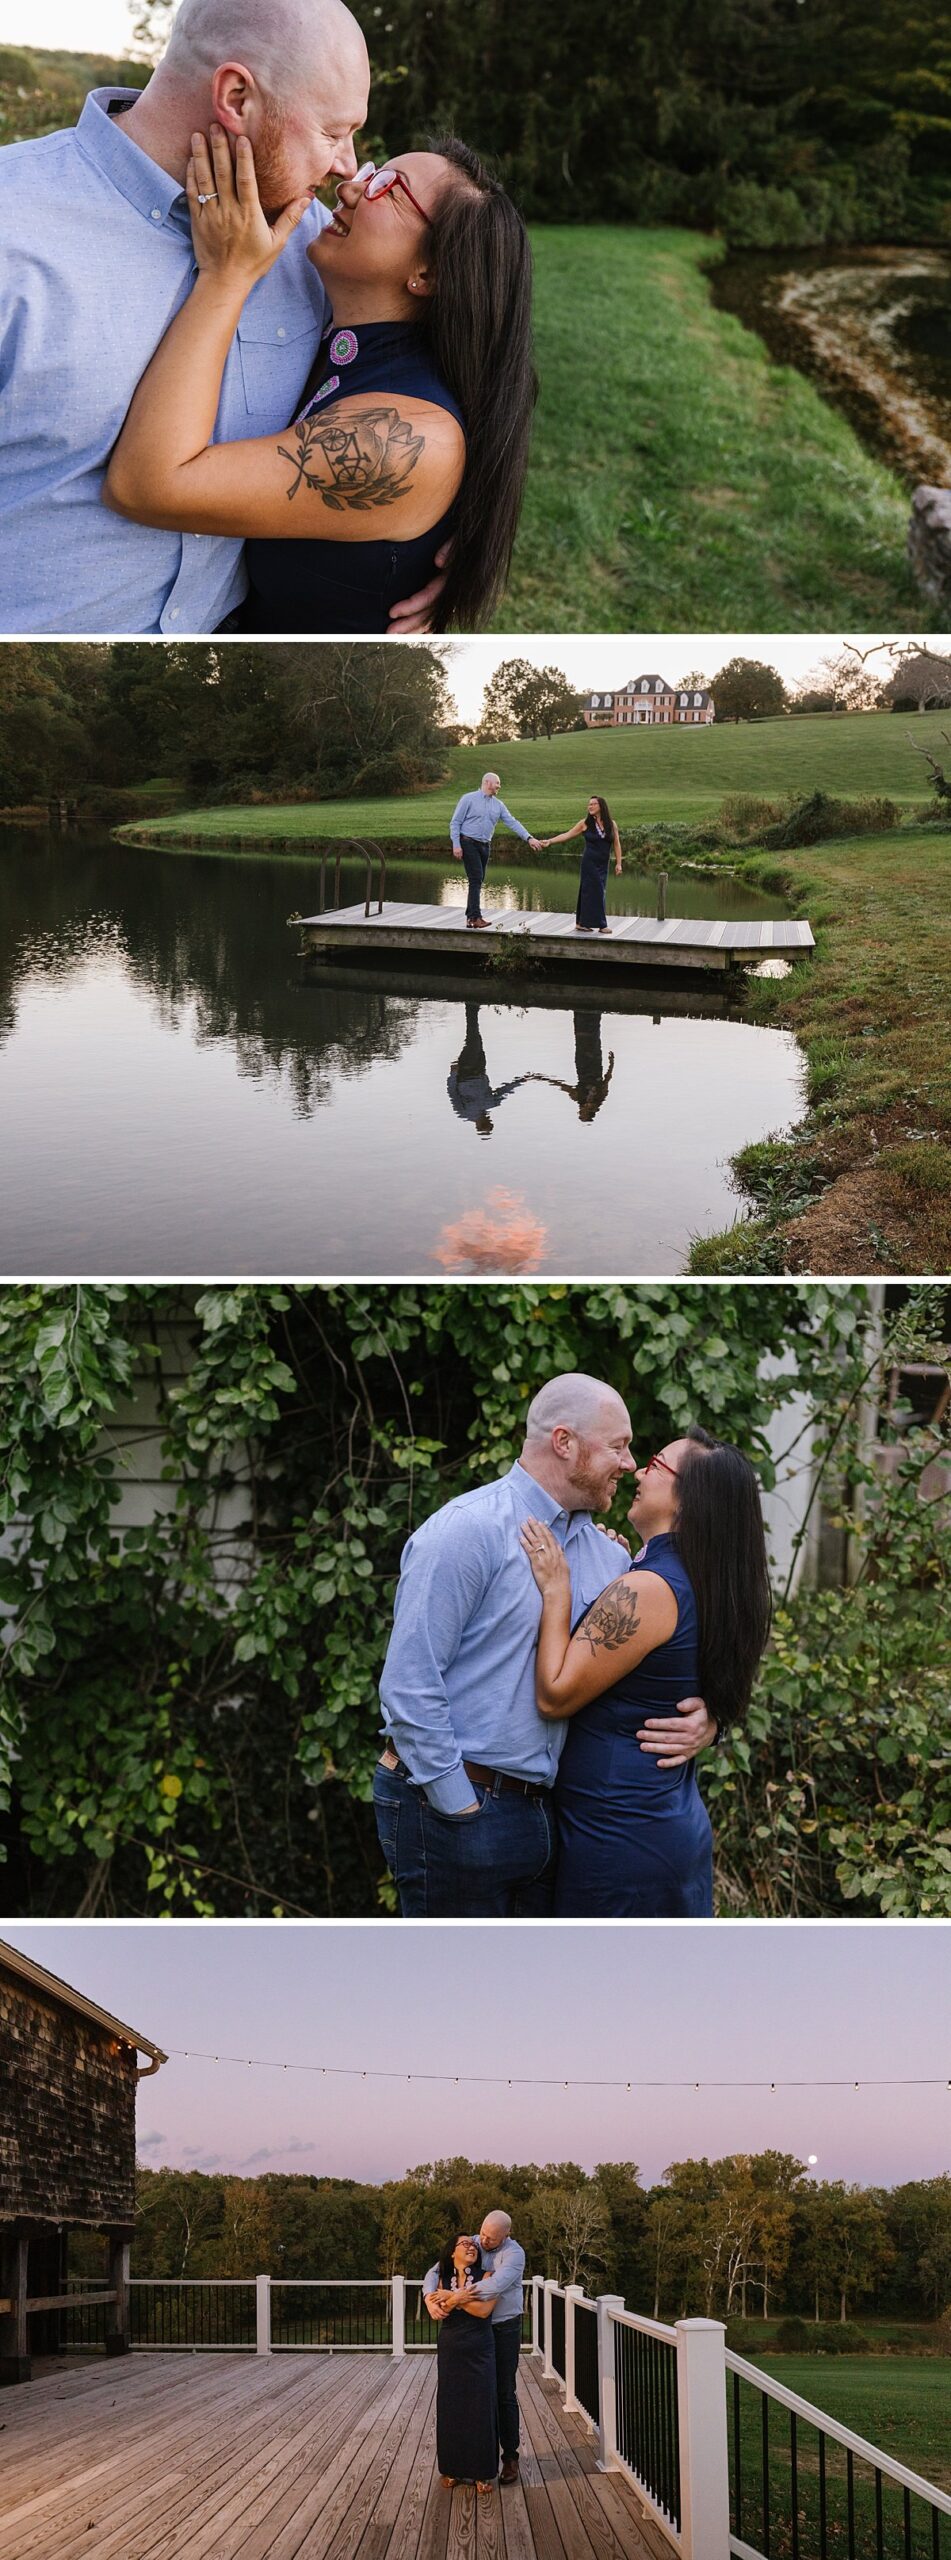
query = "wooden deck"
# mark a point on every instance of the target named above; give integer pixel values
(292, 2457)
(635, 942)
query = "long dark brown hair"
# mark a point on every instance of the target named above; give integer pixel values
(606, 818)
(478, 327)
(722, 1545)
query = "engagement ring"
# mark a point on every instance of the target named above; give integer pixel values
(210, 198)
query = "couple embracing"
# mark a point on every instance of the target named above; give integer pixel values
(546, 1695)
(225, 407)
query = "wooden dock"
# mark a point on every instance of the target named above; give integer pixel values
(438, 934)
(291, 2457)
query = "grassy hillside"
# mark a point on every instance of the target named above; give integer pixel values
(680, 479)
(865, 1183)
(646, 774)
(40, 90)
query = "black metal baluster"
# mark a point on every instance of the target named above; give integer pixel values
(823, 2533)
(764, 2409)
(850, 2502)
(794, 2482)
(879, 2519)
(737, 2517)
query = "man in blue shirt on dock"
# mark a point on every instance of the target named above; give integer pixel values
(503, 2285)
(463, 1792)
(472, 827)
(96, 260)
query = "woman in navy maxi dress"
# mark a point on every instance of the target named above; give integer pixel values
(601, 840)
(689, 1619)
(467, 2426)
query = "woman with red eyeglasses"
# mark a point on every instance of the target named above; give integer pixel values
(409, 448)
(690, 1618)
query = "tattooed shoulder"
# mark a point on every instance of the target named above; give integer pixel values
(612, 1620)
(364, 460)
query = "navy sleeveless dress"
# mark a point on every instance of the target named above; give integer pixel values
(350, 586)
(634, 1839)
(596, 851)
(467, 2424)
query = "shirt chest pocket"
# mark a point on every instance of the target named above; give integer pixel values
(274, 360)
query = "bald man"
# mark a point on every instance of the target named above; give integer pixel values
(97, 258)
(502, 2284)
(464, 1789)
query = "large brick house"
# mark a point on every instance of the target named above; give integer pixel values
(649, 701)
(67, 2160)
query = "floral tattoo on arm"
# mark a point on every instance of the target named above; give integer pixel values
(361, 462)
(611, 1621)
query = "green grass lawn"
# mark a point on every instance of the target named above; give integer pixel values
(680, 479)
(865, 1183)
(645, 774)
(900, 2405)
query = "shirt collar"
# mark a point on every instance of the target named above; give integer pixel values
(533, 1498)
(112, 150)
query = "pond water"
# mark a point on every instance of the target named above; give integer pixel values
(178, 1100)
(872, 326)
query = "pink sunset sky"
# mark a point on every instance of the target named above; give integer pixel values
(796, 2001)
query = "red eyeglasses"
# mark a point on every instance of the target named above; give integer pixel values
(382, 183)
(660, 1462)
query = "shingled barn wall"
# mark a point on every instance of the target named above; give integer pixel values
(67, 2121)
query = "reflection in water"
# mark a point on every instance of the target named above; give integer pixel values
(470, 1092)
(501, 1236)
(592, 1078)
(178, 1097)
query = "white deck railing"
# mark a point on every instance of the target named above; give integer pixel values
(665, 2404)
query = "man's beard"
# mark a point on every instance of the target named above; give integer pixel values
(270, 159)
(588, 1483)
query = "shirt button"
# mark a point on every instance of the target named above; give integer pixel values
(173, 616)
(156, 213)
(282, 333)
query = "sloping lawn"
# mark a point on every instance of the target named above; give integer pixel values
(646, 774)
(680, 479)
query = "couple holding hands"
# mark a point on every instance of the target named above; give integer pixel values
(472, 827)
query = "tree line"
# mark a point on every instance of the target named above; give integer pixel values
(752, 2235)
(779, 122)
(240, 722)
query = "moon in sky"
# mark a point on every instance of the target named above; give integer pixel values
(813, 2160)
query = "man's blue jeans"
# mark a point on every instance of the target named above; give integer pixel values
(508, 2339)
(476, 859)
(497, 1864)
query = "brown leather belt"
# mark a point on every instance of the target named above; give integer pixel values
(498, 1781)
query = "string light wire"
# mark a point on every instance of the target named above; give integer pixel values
(513, 2080)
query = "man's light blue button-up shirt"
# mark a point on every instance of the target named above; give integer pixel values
(459, 1677)
(478, 813)
(502, 2283)
(96, 258)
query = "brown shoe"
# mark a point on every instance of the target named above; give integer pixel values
(509, 2470)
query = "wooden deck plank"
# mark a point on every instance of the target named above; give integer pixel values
(169, 2456)
(607, 2520)
(635, 943)
(206, 2456)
